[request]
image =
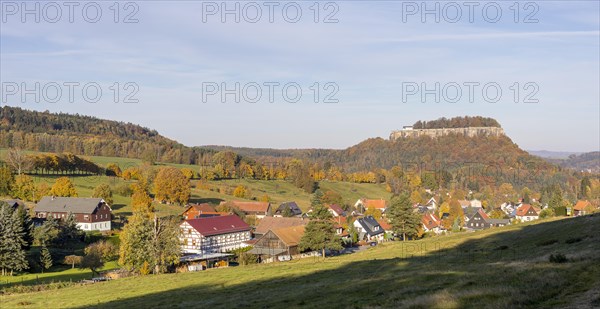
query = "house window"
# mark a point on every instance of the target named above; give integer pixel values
(86, 218)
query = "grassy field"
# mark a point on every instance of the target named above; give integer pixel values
(278, 190)
(59, 273)
(500, 268)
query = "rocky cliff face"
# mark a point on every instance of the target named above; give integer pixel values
(434, 133)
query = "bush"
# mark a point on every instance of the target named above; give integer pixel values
(123, 189)
(558, 258)
(547, 242)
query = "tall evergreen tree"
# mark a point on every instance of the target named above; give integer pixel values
(12, 242)
(319, 233)
(402, 217)
(45, 258)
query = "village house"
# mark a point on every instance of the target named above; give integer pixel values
(336, 210)
(431, 223)
(526, 213)
(364, 204)
(270, 223)
(291, 208)
(213, 234)
(369, 229)
(387, 227)
(258, 209)
(91, 214)
(582, 208)
(280, 243)
(480, 220)
(195, 211)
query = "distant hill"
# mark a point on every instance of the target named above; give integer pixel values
(586, 162)
(448, 152)
(552, 154)
(85, 135)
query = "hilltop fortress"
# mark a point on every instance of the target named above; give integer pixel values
(410, 132)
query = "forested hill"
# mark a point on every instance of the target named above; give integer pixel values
(377, 153)
(583, 162)
(85, 135)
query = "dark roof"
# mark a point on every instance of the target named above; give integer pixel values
(338, 210)
(296, 211)
(370, 225)
(218, 225)
(14, 203)
(76, 205)
(469, 211)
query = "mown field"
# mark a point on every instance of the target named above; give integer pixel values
(498, 268)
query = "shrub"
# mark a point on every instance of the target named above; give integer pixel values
(558, 258)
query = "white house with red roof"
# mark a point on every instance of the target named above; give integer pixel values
(213, 234)
(527, 212)
(431, 223)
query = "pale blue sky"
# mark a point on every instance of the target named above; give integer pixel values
(369, 53)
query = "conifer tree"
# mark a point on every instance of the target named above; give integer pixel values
(403, 219)
(12, 242)
(45, 258)
(319, 233)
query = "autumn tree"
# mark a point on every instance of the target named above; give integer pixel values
(92, 259)
(332, 197)
(149, 241)
(6, 180)
(104, 192)
(18, 160)
(63, 187)
(320, 233)
(141, 201)
(170, 185)
(403, 218)
(113, 169)
(188, 173)
(241, 192)
(455, 214)
(23, 188)
(73, 260)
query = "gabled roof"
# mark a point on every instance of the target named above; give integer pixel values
(270, 223)
(14, 203)
(483, 214)
(377, 204)
(370, 225)
(337, 209)
(218, 225)
(581, 205)
(431, 221)
(522, 211)
(75, 205)
(204, 207)
(251, 207)
(295, 210)
(385, 224)
(290, 236)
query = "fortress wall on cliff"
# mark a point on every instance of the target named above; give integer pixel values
(470, 132)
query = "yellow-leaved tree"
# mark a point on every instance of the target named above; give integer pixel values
(171, 186)
(63, 187)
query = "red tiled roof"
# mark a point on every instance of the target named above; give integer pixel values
(430, 221)
(384, 224)
(218, 225)
(338, 210)
(199, 210)
(377, 204)
(522, 211)
(251, 207)
(483, 215)
(581, 205)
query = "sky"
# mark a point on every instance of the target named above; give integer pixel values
(329, 74)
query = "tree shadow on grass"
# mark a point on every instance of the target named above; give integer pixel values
(214, 201)
(502, 270)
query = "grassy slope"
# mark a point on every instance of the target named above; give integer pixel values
(279, 191)
(462, 270)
